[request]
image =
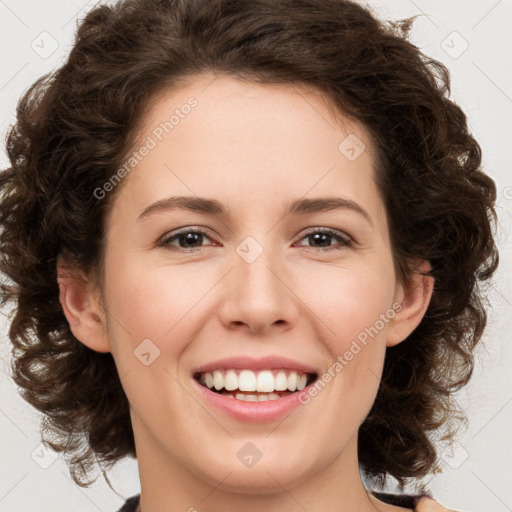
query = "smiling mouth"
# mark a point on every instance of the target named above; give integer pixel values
(255, 386)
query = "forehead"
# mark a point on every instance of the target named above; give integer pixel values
(218, 135)
(225, 99)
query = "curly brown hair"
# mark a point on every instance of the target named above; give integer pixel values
(75, 126)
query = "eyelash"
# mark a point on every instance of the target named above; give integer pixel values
(344, 241)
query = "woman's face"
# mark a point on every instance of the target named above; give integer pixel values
(269, 276)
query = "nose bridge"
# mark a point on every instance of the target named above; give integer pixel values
(256, 294)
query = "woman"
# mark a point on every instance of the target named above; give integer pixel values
(244, 241)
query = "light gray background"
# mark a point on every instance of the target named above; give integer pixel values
(36, 37)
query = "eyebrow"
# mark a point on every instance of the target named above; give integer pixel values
(191, 203)
(216, 208)
(325, 204)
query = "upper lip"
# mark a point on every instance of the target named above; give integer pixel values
(250, 363)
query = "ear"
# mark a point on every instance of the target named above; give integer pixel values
(81, 304)
(414, 295)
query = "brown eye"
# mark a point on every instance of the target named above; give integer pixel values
(186, 239)
(322, 239)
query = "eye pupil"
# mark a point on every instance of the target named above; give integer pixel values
(189, 238)
(323, 238)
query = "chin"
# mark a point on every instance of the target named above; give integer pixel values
(270, 473)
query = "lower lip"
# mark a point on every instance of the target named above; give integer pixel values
(252, 412)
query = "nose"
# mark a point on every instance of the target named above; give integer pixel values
(257, 295)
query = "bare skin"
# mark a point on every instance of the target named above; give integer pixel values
(255, 149)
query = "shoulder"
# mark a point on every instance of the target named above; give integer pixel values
(427, 504)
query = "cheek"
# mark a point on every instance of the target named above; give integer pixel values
(349, 300)
(354, 307)
(151, 318)
(156, 303)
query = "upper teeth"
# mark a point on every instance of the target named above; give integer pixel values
(247, 380)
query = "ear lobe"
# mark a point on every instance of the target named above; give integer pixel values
(81, 306)
(414, 295)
